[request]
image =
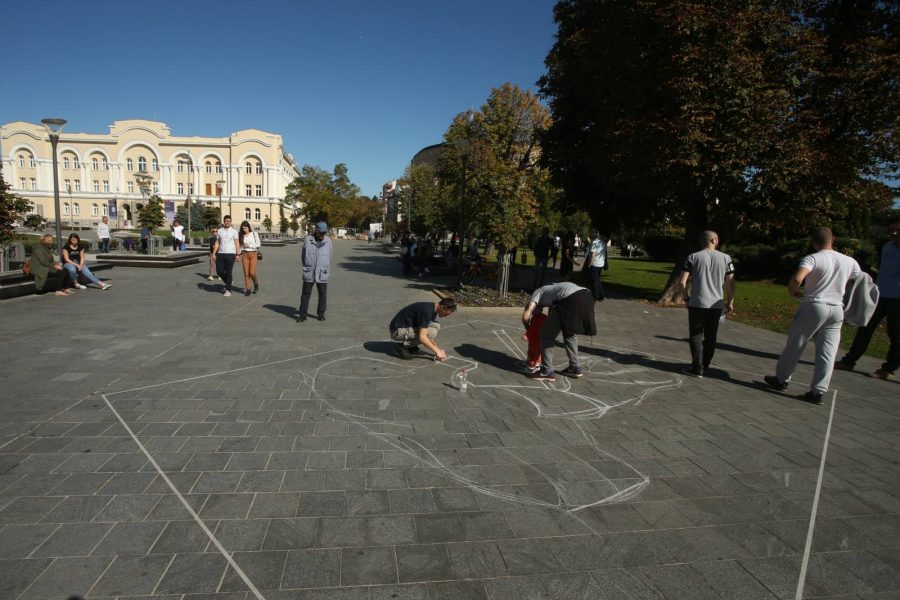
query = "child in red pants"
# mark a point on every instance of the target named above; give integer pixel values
(533, 337)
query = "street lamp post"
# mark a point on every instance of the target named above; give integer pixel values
(190, 180)
(463, 148)
(54, 128)
(144, 179)
(220, 184)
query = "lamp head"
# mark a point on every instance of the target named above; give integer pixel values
(54, 126)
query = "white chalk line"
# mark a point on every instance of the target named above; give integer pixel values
(804, 565)
(187, 506)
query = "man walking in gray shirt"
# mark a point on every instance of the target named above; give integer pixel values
(316, 262)
(709, 270)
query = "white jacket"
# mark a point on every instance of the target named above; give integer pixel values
(860, 301)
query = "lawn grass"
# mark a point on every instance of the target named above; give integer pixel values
(759, 302)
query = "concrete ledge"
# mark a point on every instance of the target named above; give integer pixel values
(15, 283)
(165, 261)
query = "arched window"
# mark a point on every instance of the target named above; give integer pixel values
(96, 185)
(129, 164)
(76, 209)
(208, 167)
(247, 214)
(247, 167)
(75, 163)
(21, 161)
(66, 162)
(31, 161)
(142, 164)
(181, 166)
(155, 165)
(105, 208)
(95, 164)
(95, 210)
(259, 168)
(218, 167)
(105, 165)
(257, 214)
(65, 208)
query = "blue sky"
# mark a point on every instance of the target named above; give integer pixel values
(364, 83)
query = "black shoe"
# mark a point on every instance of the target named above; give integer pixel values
(574, 372)
(775, 384)
(413, 349)
(693, 372)
(812, 397)
(541, 376)
(256, 288)
(403, 352)
(843, 366)
(321, 317)
(301, 318)
(246, 292)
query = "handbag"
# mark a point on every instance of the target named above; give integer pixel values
(258, 255)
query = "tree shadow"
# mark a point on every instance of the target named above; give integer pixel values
(282, 309)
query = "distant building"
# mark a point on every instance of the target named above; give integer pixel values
(98, 170)
(429, 155)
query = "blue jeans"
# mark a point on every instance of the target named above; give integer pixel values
(104, 245)
(72, 270)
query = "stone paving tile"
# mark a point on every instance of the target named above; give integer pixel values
(389, 490)
(67, 576)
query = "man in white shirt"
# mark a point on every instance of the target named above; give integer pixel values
(103, 235)
(596, 259)
(225, 251)
(824, 276)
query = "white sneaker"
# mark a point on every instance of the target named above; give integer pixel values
(105, 286)
(210, 278)
(80, 287)
(227, 294)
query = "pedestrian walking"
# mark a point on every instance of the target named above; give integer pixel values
(888, 307)
(145, 239)
(103, 235)
(571, 312)
(177, 235)
(225, 251)
(823, 276)
(73, 263)
(316, 261)
(709, 272)
(250, 244)
(554, 251)
(597, 261)
(417, 324)
(542, 249)
(213, 236)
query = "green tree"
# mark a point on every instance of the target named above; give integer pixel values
(211, 217)
(267, 223)
(12, 210)
(34, 221)
(294, 225)
(323, 196)
(198, 215)
(151, 214)
(284, 224)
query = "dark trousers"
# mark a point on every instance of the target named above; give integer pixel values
(307, 292)
(540, 270)
(596, 286)
(224, 266)
(887, 308)
(703, 326)
(104, 245)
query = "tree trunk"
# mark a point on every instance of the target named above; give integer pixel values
(696, 221)
(503, 276)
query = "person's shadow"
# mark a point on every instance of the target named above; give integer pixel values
(211, 287)
(281, 309)
(736, 349)
(487, 356)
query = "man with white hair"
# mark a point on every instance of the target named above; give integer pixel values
(316, 263)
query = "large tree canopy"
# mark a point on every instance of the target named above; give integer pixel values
(759, 118)
(324, 196)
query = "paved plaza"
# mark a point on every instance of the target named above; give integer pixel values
(161, 441)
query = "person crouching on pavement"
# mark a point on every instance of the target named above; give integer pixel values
(417, 325)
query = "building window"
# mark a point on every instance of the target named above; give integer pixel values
(33, 183)
(249, 189)
(68, 185)
(246, 214)
(106, 186)
(259, 190)
(76, 209)
(259, 168)
(95, 210)
(130, 187)
(180, 188)
(30, 161)
(218, 167)
(257, 214)
(208, 167)
(75, 163)
(247, 167)
(105, 208)
(155, 165)
(191, 188)
(77, 185)
(142, 163)
(155, 188)
(181, 166)
(21, 161)
(66, 162)
(95, 164)
(105, 165)
(129, 164)
(21, 183)
(65, 208)
(96, 186)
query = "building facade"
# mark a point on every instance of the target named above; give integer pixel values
(97, 171)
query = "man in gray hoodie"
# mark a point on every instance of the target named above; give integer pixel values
(316, 261)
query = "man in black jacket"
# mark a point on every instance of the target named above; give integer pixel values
(541, 254)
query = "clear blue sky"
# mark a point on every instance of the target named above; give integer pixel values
(361, 82)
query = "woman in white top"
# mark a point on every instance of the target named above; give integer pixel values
(249, 241)
(177, 235)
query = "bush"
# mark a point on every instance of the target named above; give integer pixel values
(663, 247)
(754, 260)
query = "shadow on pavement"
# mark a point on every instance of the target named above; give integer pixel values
(288, 311)
(735, 349)
(217, 287)
(381, 347)
(487, 356)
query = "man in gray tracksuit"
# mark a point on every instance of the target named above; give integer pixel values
(316, 261)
